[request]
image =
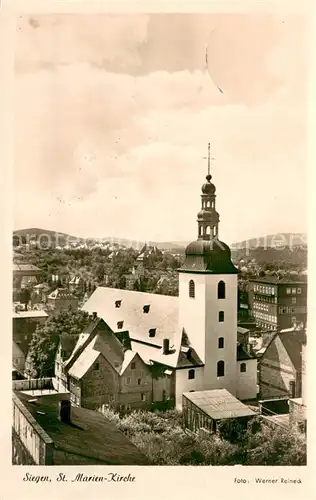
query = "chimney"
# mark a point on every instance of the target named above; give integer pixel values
(64, 410)
(165, 346)
(94, 315)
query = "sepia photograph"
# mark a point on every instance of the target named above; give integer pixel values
(159, 246)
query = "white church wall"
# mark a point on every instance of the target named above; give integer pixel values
(192, 310)
(184, 384)
(226, 329)
(247, 381)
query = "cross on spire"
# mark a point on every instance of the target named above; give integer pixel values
(208, 158)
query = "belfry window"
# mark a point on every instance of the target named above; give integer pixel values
(191, 289)
(208, 230)
(220, 369)
(243, 367)
(221, 290)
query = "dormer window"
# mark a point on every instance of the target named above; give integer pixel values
(146, 308)
(120, 325)
(118, 303)
(152, 332)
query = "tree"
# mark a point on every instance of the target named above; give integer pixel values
(161, 437)
(46, 337)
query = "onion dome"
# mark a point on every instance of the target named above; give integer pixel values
(208, 187)
(212, 256)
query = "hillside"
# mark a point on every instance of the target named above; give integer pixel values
(273, 241)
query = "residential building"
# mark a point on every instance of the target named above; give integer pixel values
(26, 272)
(277, 304)
(280, 367)
(102, 371)
(62, 299)
(48, 430)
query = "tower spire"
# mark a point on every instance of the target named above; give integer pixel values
(208, 218)
(209, 158)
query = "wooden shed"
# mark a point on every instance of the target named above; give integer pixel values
(204, 409)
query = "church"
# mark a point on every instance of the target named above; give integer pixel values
(191, 339)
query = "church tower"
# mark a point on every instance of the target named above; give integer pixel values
(208, 297)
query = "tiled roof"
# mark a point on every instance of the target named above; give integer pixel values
(90, 439)
(219, 404)
(162, 316)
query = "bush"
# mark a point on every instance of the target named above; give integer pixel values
(162, 439)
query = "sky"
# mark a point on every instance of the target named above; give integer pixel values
(113, 115)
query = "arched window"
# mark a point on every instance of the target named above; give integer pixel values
(191, 289)
(221, 290)
(221, 343)
(191, 374)
(221, 316)
(220, 369)
(208, 230)
(243, 367)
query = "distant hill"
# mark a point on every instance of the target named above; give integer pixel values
(273, 241)
(54, 238)
(45, 237)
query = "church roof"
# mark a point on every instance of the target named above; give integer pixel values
(147, 330)
(212, 256)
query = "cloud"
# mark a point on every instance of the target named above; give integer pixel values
(114, 152)
(69, 39)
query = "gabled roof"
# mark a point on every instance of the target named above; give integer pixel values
(60, 293)
(128, 358)
(104, 343)
(292, 341)
(162, 316)
(75, 280)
